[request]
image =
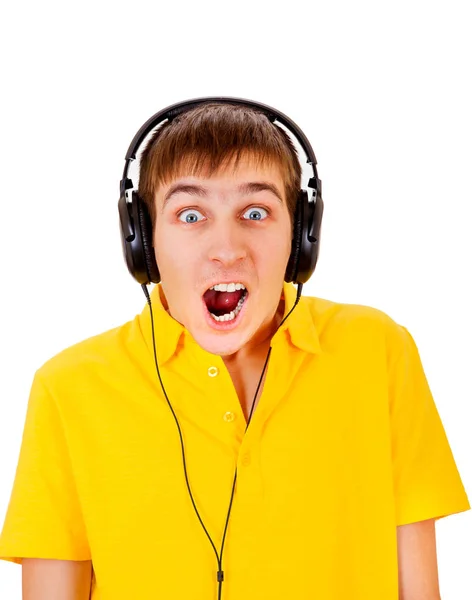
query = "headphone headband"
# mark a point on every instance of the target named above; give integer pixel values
(176, 109)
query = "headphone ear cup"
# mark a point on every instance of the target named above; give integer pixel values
(136, 240)
(310, 237)
(145, 231)
(291, 271)
(306, 238)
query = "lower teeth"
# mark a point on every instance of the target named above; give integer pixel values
(233, 314)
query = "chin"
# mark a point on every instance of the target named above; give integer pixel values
(221, 344)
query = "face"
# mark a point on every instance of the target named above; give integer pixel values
(230, 228)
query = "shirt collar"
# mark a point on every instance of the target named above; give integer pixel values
(170, 334)
(300, 325)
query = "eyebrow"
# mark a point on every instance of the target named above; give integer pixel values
(244, 189)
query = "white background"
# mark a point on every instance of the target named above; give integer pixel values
(382, 90)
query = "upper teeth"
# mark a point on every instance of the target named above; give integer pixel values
(228, 287)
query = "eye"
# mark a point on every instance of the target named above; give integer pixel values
(256, 214)
(191, 215)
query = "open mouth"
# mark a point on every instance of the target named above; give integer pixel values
(224, 301)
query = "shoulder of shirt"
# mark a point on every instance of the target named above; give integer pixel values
(110, 347)
(333, 317)
(325, 311)
(107, 347)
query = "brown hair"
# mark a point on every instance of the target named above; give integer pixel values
(210, 136)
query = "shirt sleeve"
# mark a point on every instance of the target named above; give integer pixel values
(44, 518)
(426, 480)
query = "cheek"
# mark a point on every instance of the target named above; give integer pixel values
(275, 249)
(172, 255)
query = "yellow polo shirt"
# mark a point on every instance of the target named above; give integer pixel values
(344, 445)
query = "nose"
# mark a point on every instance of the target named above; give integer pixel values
(228, 244)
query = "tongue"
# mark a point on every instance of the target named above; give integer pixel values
(220, 303)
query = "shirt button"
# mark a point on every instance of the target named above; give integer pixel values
(229, 416)
(246, 460)
(213, 371)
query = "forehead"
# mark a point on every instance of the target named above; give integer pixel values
(246, 170)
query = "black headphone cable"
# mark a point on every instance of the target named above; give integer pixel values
(219, 557)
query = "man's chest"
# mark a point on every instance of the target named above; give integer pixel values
(126, 447)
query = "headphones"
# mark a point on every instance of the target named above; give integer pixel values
(135, 222)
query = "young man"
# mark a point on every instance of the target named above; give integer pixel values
(307, 446)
